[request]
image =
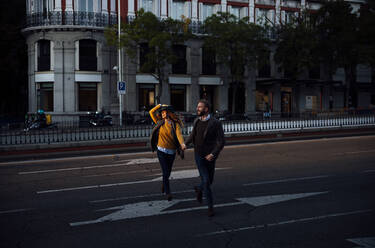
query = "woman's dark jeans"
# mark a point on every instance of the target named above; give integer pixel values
(206, 171)
(166, 163)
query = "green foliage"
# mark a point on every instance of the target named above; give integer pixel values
(236, 42)
(337, 29)
(159, 35)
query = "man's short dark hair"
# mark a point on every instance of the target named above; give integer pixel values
(206, 103)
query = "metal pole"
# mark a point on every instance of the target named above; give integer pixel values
(119, 59)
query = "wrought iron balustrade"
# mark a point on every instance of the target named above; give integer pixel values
(70, 18)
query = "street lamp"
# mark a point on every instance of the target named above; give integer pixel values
(119, 58)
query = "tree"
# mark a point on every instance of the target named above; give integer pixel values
(367, 35)
(237, 44)
(337, 30)
(296, 45)
(158, 35)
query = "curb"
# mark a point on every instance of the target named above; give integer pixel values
(141, 145)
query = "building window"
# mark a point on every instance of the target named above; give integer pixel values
(146, 96)
(290, 16)
(86, 5)
(236, 11)
(314, 72)
(144, 51)
(180, 65)
(45, 96)
(207, 10)
(265, 16)
(265, 69)
(44, 55)
(177, 10)
(178, 97)
(87, 55)
(43, 6)
(147, 5)
(208, 62)
(87, 96)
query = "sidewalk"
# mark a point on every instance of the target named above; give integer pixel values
(30, 152)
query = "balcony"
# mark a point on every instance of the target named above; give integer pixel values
(70, 18)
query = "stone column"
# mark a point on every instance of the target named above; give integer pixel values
(195, 65)
(222, 91)
(276, 99)
(64, 86)
(130, 71)
(31, 75)
(250, 88)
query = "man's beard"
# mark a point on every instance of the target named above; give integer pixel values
(201, 113)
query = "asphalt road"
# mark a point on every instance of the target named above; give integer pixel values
(316, 193)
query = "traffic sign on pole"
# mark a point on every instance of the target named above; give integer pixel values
(121, 88)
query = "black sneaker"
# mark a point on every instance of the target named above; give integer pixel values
(198, 194)
(169, 197)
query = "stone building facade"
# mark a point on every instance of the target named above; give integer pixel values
(71, 66)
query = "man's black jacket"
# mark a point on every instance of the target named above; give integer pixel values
(213, 136)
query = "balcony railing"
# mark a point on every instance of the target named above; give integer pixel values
(57, 18)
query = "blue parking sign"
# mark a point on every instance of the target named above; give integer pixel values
(121, 87)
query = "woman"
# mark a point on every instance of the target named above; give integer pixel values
(166, 138)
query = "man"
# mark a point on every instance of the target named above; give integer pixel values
(208, 139)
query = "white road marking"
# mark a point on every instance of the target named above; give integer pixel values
(285, 180)
(368, 171)
(132, 172)
(15, 211)
(130, 162)
(367, 242)
(183, 174)
(354, 152)
(138, 196)
(287, 222)
(153, 208)
(266, 200)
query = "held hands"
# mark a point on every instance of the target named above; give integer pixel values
(183, 147)
(210, 157)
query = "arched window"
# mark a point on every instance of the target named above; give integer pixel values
(87, 55)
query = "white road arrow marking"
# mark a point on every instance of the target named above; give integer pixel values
(368, 242)
(153, 208)
(265, 200)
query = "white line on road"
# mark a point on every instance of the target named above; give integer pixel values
(287, 222)
(138, 196)
(128, 172)
(354, 152)
(182, 174)
(368, 171)
(131, 162)
(15, 211)
(286, 180)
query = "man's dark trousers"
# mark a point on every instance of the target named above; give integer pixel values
(206, 171)
(166, 162)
